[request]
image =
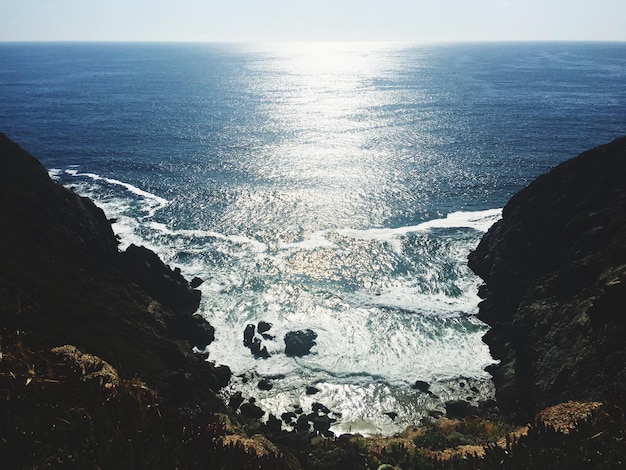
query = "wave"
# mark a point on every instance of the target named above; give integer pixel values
(155, 202)
(258, 246)
(478, 220)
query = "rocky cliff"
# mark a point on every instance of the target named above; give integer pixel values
(64, 281)
(554, 269)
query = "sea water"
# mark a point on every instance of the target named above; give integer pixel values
(331, 187)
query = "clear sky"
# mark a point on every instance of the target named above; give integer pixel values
(321, 20)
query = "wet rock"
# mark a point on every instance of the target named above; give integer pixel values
(319, 408)
(265, 384)
(392, 414)
(273, 424)
(235, 401)
(196, 282)
(263, 326)
(312, 390)
(162, 283)
(192, 328)
(421, 386)
(321, 425)
(248, 335)
(251, 411)
(288, 417)
(257, 350)
(458, 409)
(302, 424)
(299, 343)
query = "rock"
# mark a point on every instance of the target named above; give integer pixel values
(196, 282)
(163, 284)
(257, 350)
(273, 425)
(235, 401)
(302, 424)
(392, 414)
(321, 425)
(288, 417)
(299, 343)
(458, 409)
(312, 390)
(319, 408)
(191, 328)
(263, 326)
(421, 386)
(555, 273)
(248, 335)
(265, 384)
(87, 367)
(251, 411)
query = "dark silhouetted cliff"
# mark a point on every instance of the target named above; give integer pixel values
(63, 281)
(555, 285)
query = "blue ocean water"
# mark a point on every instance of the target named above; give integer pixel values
(336, 187)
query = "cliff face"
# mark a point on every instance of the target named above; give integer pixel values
(554, 269)
(63, 281)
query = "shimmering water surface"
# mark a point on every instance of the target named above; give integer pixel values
(331, 187)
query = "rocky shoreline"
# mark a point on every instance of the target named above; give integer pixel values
(88, 332)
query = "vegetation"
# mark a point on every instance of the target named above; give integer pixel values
(52, 417)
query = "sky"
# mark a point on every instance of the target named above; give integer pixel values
(312, 20)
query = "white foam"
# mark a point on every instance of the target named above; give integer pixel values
(55, 173)
(156, 202)
(478, 220)
(315, 240)
(257, 246)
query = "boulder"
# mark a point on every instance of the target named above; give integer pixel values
(458, 409)
(235, 401)
(263, 326)
(250, 410)
(421, 386)
(299, 343)
(248, 335)
(265, 384)
(319, 408)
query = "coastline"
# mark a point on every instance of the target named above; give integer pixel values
(86, 325)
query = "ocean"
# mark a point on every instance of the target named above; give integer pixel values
(336, 187)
